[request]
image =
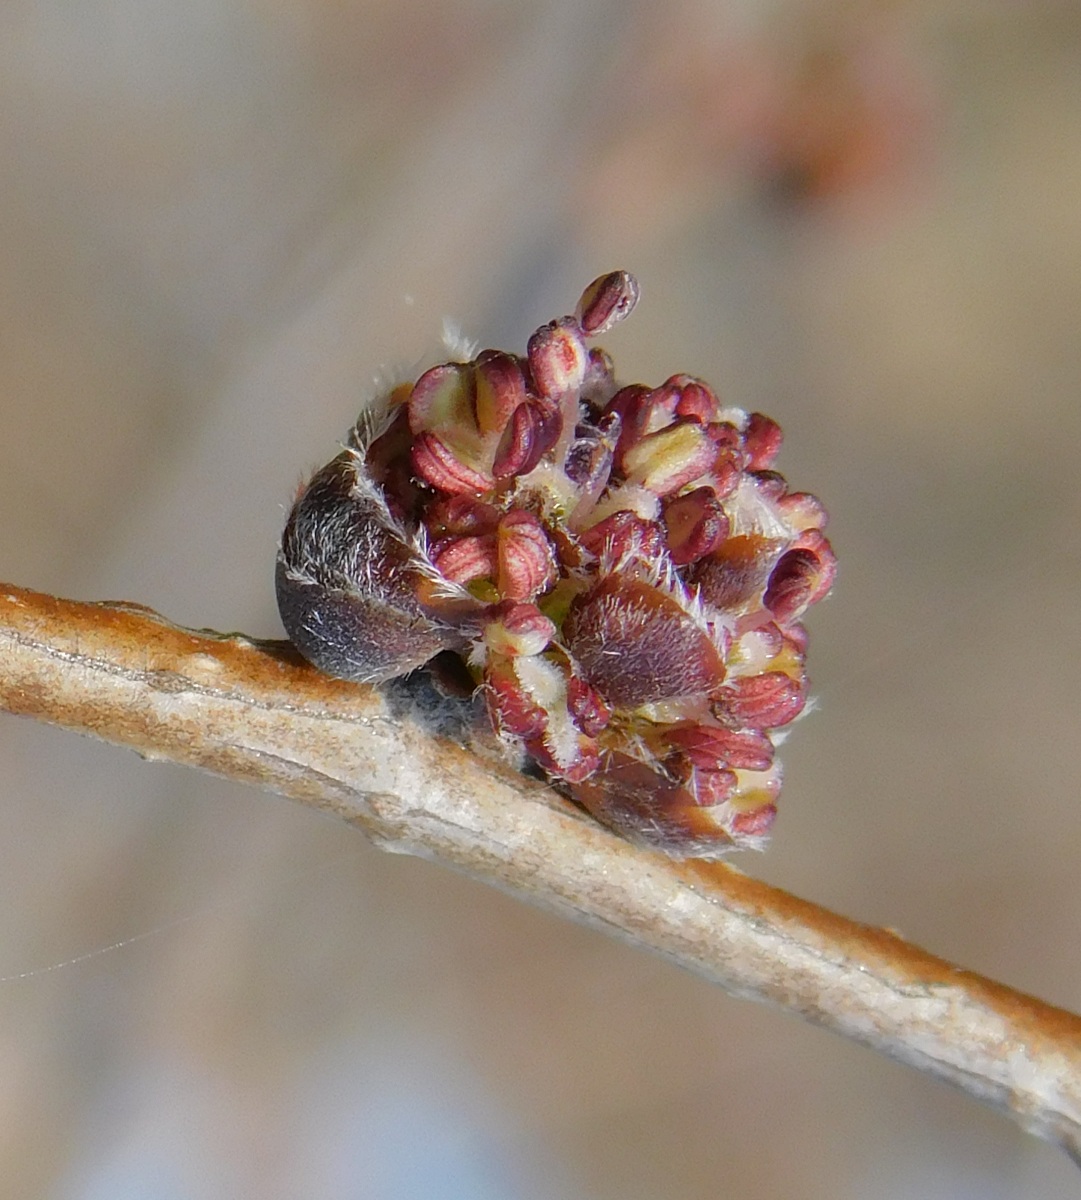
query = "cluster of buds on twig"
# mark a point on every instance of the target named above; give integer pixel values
(619, 567)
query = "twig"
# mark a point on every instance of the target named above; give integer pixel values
(255, 712)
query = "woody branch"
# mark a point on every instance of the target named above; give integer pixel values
(253, 711)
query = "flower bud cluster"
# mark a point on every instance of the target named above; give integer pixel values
(620, 568)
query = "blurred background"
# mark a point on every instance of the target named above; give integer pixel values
(219, 221)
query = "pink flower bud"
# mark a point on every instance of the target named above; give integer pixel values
(519, 629)
(708, 788)
(558, 358)
(622, 534)
(631, 405)
(587, 706)
(695, 525)
(765, 701)
(802, 511)
(665, 461)
(460, 559)
(585, 763)
(762, 440)
(755, 824)
(800, 578)
(607, 301)
(444, 399)
(499, 390)
(515, 448)
(436, 465)
(620, 569)
(527, 562)
(460, 515)
(710, 747)
(532, 431)
(511, 710)
(697, 400)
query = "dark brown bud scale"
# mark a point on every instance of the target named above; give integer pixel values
(662, 653)
(349, 601)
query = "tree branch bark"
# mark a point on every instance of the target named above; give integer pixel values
(255, 712)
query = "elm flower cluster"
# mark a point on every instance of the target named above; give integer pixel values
(619, 567)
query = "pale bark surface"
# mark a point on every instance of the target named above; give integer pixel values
(254, 712)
